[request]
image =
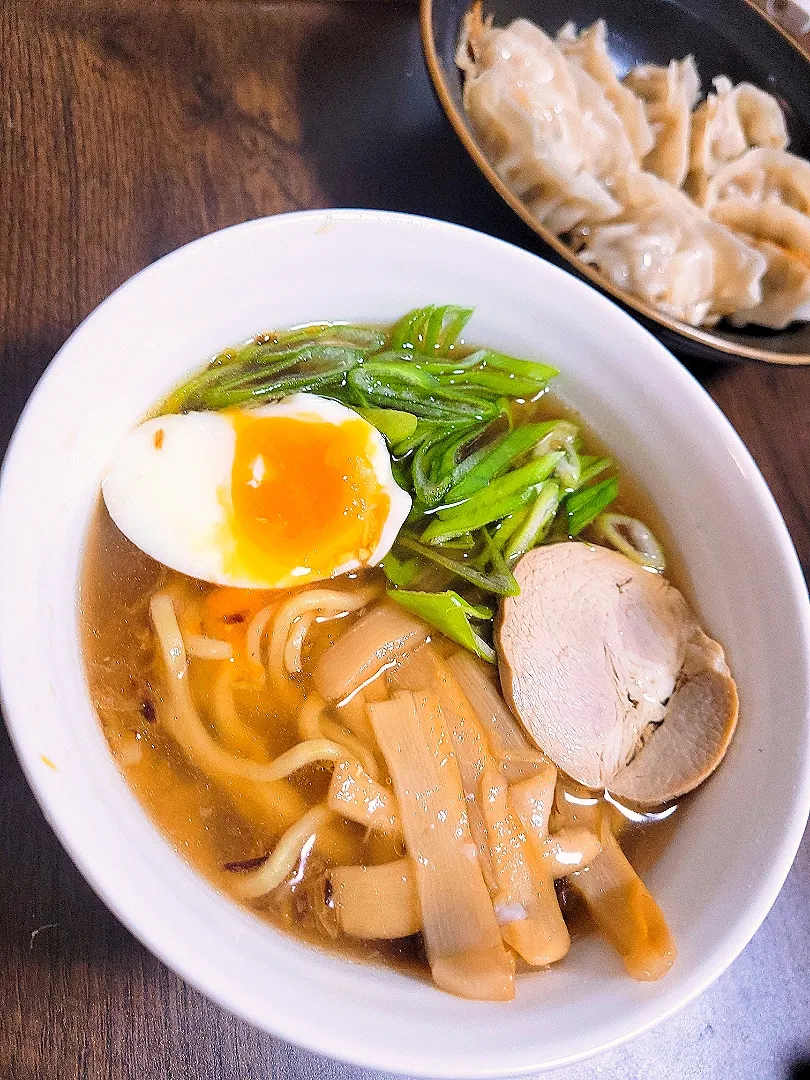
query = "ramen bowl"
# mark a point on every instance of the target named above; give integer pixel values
(723, 868)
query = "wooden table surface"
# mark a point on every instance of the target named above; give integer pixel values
(130, 127)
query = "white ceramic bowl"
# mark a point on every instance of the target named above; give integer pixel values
(721, 873)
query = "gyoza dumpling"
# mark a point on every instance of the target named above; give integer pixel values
(611, 153)
(669, 252)
(782, 236)
(726, 124)
(521, 63)
(549, 131)
(670, 94)
(558, 196)
(589, 50)
(762, 175)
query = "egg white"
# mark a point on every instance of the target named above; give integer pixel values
(170, 494)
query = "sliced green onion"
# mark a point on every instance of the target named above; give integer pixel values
(465, 542)
(451, 615)
(401, 572)
(632, 538)
(292, 339)
(495, 382)
(586, 504)
(500, 580)
(503, 497)
(526, 477)
(591, 467)
(539, 519)
(559, 434)
(456, 366)
(530, 369)
(401, 474)
(564, 436)
(409, 332)
(392, 423)
(268, 357)
(507, 527)
(440, 531)
(445, 326)
(252, 392)
(494, 460)
(224, 385)
(182, 398)
(492, 558)
(430, 329)
(400, 372)
(436, 464)
(425, 429)
(569, 468)
(361, 337)
(407, 387)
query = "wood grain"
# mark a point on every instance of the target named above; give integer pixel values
(129, 128)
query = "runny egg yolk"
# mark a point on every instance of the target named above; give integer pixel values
(306, 499)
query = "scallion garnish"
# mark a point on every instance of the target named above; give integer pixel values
(486, 486)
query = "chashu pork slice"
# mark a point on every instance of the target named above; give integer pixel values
(699, 722)
(607, 668)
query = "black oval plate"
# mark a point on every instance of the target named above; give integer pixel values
(732, 38)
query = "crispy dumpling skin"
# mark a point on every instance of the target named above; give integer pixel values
(669, 252)
(782, 236)
(669, 94)
(588, 48)
(730, 121)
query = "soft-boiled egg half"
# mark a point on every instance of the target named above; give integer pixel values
(264, 498)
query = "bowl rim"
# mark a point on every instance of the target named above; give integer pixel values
(702, 342)
(363, 1052)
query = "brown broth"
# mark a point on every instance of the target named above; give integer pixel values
(215, 826)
